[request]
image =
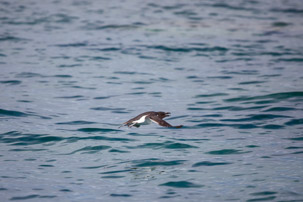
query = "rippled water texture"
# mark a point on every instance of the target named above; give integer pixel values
(230, 71)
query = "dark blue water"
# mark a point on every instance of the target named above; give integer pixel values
(229, 71)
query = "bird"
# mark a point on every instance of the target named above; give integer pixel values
(148, 117)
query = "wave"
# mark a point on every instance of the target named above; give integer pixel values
(11, 82)
(181, 184)
(17, 138)
(274, 96)
(152, 163)
(227, 152)
(4, 112)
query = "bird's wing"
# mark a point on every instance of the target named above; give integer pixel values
(159, 121)
(130, 121)
(137, 117)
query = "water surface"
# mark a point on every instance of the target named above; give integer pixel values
(73, 71)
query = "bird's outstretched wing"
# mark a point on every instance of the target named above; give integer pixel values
(161, 122)
(130, 123)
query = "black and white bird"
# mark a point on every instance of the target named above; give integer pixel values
(148, 117)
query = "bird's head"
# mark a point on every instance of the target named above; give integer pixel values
(163, 114)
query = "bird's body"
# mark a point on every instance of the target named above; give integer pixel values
(149, 117)
(144, 120)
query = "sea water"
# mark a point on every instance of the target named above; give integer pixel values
(72, 71)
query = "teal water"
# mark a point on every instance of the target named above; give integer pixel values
(229, 71)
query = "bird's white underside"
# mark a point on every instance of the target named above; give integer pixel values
(143, 121)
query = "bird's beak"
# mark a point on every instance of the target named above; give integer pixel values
(167, 114)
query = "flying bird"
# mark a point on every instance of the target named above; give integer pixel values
(148, 117)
